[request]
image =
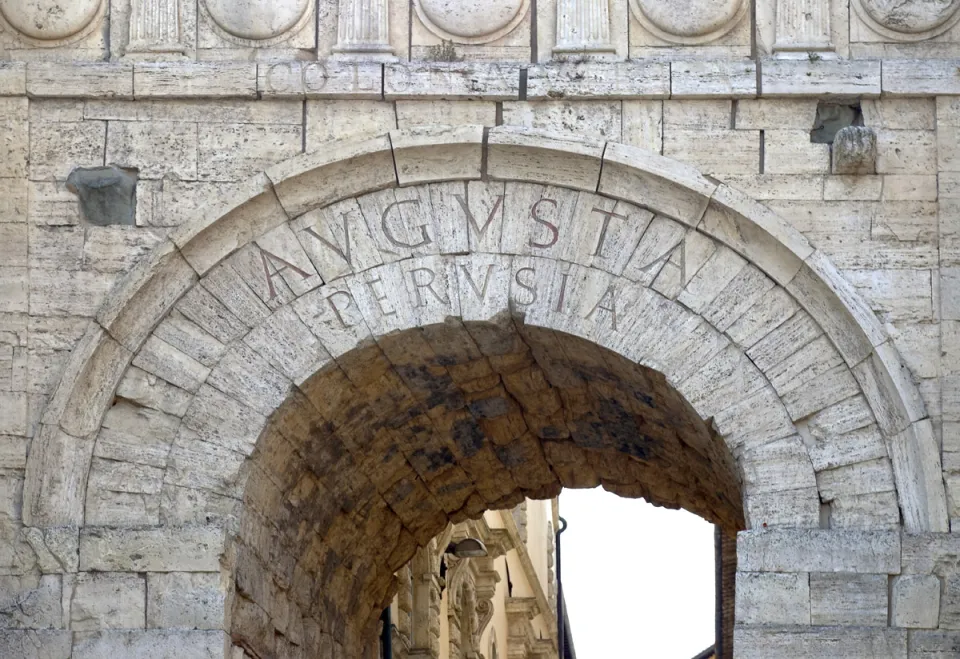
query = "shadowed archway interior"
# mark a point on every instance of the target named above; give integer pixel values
(385, 447)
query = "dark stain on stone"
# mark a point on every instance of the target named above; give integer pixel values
(425, 461)
(511, 455)
(468, 437)
(489, 408)
(108, 195)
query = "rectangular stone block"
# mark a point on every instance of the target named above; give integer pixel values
(804, 77)
(195, 79)
(13, 79)
(930, 553)
(35, 644)
(916, 601)
(452, 80)
(776, 114)
(643, 124)
(191, 600)
(14, 147)
(30, 601)
(108, 601)
(713, 78)
(920, 77)
(809, 550)
(79, 80)
(444, 113)
(934, 645)
(164, 549)
(769, 598)
(155, 148)
(791, 152)
(324, 79)
(150, 644)
(820, 642)
(714, 151)
(56, 148)
(634, 79)
(848, 599)
(227, 152)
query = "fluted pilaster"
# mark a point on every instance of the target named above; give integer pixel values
(363, 30)
(583, 26)
(803, 25)
(154, 26)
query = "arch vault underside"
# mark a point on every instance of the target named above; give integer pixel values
(353, 328)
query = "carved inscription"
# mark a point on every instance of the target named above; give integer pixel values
(375, 237)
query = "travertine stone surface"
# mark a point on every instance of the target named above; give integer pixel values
(571, 243)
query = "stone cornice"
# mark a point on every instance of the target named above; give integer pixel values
(492, 81)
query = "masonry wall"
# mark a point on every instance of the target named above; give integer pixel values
(196, 103)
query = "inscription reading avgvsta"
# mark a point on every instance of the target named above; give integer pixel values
(402, 228)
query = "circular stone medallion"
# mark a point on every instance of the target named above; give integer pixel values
(689, 21)
(49, 19)
(471, 21)
(256, 20)
(910, 16)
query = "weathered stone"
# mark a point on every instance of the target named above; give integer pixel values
(107, 601)
(915, 601)
(766, 598)
(150, 644)
(162, 549)
(185, 600)
(786, 550)
(855, 600)
(855, 151)
(811, 642)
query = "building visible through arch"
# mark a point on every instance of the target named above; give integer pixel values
(256, 366)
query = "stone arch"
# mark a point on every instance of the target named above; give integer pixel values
(677, 284)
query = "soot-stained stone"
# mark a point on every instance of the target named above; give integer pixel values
(833, 117)
(108, 195)
(468, 436)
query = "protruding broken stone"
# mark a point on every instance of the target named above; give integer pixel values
(108, 195)
(855, 151)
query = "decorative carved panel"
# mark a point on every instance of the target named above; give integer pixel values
(155, 26)
(257, 22)
(689, 22)
(908, 20)
(471, 21)
(803, 25)
(363, 30)
(52, 22)
(583, 26)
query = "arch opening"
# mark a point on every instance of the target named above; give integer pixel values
(397, 439)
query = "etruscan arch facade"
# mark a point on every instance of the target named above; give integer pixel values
(362, 297)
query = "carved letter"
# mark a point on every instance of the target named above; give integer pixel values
(426, 239)
(343, 253)
(529, 287)
(267, 258)
(480, 231)
(563, 292)
(535, 214)
(427, 285)
(336, 310)
(612, 308)
(481, 292)
(379, 297)
(603, 230)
